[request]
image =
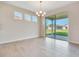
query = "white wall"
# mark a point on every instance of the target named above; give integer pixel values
(73, 15)
(74, 23)
(13, 30)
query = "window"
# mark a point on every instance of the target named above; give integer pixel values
(18, 15)
(27, 17)
(34, 19)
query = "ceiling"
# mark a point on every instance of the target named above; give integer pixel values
(35, 5)
(58, 16)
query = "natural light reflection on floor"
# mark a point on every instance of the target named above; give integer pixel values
(57, 43)
(39, 47)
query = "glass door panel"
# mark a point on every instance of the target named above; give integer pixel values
(62, 29)
(48, 27)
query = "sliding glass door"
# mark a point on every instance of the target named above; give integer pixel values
(62, 29)
(50, 28)
(57, 27)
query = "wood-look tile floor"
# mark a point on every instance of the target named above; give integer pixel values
(39, 47)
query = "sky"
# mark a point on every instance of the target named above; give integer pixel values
(63, 21)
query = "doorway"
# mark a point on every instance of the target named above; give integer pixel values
(57, 26)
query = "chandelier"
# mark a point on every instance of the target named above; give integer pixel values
(40, 12)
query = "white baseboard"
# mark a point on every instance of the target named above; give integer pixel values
(31, 37)
(74, 42)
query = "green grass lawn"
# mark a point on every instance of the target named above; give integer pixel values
(58, 32)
